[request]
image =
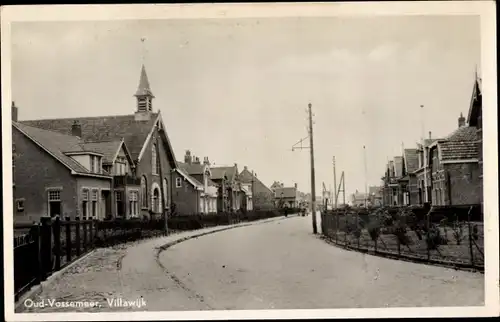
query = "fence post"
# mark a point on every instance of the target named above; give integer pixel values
(77, 235)
(35, 230)
(84, 226)
(68, 240)
(470, 237)
(428, 236)
(46, 246)
(57, 242)
(336, 227)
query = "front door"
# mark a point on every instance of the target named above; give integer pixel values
(105, 204)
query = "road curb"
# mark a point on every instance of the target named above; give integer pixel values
(415, 260)
(38, 289)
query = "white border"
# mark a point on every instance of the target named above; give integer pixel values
(486, 9)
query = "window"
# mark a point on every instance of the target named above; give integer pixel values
(165, 192)
(85, 203)
(92, 163)
(144, 192)
(154, 160)
(133, 203)
(20, 205)
(54, 197)
(156, 201)
(119, 203)
(94, 199)
(178, 182)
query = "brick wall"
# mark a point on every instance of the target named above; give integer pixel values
(464, 183)
(35, 171)
(144, 168)
(186, 197)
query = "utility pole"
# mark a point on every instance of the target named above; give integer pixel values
(313, 179)
(253, 190)
(335, 181)
(366, 173)
(426, 196)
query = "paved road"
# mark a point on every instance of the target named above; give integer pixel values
(281, 265)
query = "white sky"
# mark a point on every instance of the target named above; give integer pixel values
(236, 90)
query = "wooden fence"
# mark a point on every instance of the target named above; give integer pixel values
(50, 245)
(449, 236)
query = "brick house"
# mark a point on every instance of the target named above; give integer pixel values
(391, 185)
(194, 190)
(59, 174)
(145, 136)
(231, 195)
(262, 196)
(422, 173)
(475, 119)
(409, 193)
(287, 197)
(454, 166)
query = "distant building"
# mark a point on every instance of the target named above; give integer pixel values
(287, 197)
(262, 196)
(359, 199)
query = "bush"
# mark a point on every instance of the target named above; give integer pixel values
(434, 239)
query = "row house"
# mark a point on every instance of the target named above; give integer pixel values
(454, 162)
(233, 194)
(442, 172)
(142, 174)
(262, 196)
(287, 197)
(194, 191)
(60, 174)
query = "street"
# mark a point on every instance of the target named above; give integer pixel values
(276, 263)
(281, 265)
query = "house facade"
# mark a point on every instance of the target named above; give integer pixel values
(262, 196)
(58, 175)
(194, 190)
(454, 167)
(423, 174)
(146, 139)
(232, 196)
(287, 197)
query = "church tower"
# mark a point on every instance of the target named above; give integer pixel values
(144, 97)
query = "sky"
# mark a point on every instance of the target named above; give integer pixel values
(237, 90)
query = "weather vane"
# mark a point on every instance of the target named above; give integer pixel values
(143, 39)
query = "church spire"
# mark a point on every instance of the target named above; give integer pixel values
(144, 94)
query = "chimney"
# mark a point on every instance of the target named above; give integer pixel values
(196, 160)
(245, 168)
(205, 161)
(14, 112)
(430, 135)
(295, 185)
(187, 157)
(461, 120)
(76, 129)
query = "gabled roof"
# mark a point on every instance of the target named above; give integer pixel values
(398, 166)
(195, 183)
(451, 150)
(475, 103)
(286, 192)
(463, 133)
(411, 160)
(246, 177)
(229, 172)
(193, 168)
(104, 128)
(109, 150)
(57, 144)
